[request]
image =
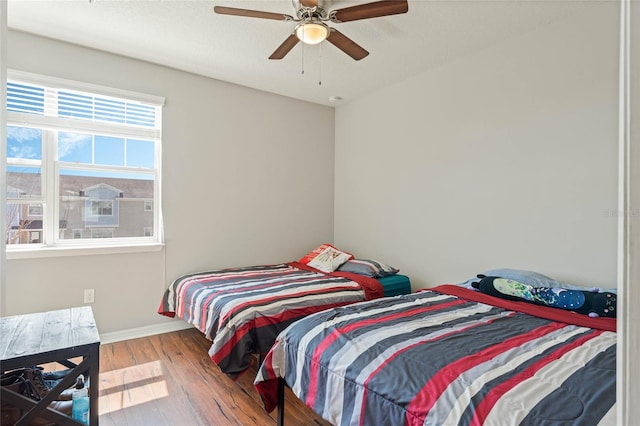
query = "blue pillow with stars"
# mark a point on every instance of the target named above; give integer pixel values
(592, 303)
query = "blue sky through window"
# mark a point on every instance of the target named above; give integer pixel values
(26, 143)
(140, 153)
(109, 151)
(75, 147)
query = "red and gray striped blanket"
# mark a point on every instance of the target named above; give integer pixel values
(242, 310)
(444, 358)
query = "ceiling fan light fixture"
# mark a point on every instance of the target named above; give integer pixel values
(312, 32)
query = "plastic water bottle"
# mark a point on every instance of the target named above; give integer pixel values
(80, 399)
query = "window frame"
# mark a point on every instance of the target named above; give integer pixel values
(50, 197)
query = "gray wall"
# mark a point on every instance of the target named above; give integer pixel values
(505, 158)
(244, 182)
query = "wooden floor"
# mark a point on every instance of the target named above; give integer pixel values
(168, 379)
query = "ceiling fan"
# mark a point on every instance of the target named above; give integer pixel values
(311, 16)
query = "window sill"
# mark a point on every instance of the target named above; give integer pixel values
(42, 252)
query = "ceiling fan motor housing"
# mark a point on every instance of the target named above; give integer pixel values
(307, 13)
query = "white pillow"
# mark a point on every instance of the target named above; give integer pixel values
(329, 259)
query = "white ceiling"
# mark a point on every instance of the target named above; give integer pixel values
(188, 35)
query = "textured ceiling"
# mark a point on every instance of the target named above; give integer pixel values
(187, 35)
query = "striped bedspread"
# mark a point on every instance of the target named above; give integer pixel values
(242, 310)
(432, 358)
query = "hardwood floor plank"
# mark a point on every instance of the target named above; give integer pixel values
(191, 385)
(129, 390)
(168, 379)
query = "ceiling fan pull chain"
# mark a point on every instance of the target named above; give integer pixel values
(320, 77)
(302, 59)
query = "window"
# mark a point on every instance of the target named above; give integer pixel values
(102, 233)
(35, 209)
(83, 164)
(102, 208)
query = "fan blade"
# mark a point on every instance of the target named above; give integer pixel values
(347, 45)
(285, 47)
(369, 10)
(309, 3)
(251, 13)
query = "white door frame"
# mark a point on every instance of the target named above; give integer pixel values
(628, 371)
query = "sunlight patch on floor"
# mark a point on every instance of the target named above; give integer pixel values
(127, 387)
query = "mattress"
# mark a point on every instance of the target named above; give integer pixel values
(242, 310)
(395, 285)
(447, 356)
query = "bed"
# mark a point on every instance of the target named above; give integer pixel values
(447, 355)
(242, 310)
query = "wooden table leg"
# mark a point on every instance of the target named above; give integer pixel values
(94, 385)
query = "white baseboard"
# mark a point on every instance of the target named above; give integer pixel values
(149, 330)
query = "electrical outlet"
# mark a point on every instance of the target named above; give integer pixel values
(89, 295)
